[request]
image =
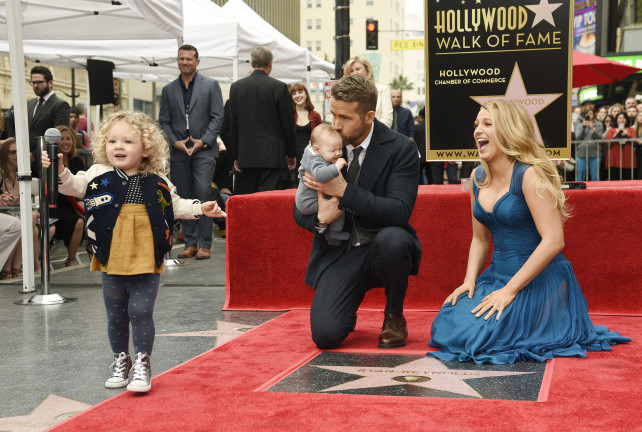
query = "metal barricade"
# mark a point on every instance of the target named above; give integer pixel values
(604, 159)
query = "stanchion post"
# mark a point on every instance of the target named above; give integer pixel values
(48, 192)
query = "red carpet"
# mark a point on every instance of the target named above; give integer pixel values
(267, 252)
(219, 390)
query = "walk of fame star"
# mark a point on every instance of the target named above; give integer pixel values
(516, 91)
(426, 372)
(413, 375)
(52, 410)
(224, 332)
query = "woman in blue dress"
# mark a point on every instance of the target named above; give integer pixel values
(527, 305)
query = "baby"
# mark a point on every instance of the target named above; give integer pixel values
(322, 158)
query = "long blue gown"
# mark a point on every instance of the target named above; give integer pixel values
(548, 317)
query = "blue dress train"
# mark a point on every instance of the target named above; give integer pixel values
(548, 317)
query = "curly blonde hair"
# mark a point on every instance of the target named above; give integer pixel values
(515, 137)
(146, 129)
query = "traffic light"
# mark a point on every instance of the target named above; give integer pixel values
(372, 34)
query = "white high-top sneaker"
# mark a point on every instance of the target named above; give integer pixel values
(141, 374)
(119, 371)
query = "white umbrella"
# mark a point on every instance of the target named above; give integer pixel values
(71, 19)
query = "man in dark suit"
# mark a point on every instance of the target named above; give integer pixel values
(402, 120)
(44, 112)
(261, 128)
(377, 195)
(191, 114)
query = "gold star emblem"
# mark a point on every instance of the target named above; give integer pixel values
(516, 91)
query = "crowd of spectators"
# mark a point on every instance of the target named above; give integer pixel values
(44, 111)
(605, 141)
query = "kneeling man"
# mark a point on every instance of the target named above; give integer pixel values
(377, 193)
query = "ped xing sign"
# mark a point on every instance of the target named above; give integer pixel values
(409, 44)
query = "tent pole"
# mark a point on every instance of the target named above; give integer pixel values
(88, 104)
(17, 60)
(235, 68)
(308, 73)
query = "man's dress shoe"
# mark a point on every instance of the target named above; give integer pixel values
(188, 252)
(394, 331)
(203, 254)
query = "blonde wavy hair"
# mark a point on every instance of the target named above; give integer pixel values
(515, 137)
(146, 129)
(364, 61)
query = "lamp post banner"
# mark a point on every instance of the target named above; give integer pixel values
(481, 50)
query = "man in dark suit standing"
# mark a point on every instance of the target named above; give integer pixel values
(191, 114)
(261, 128)
(44, 112)
(377, 192)
(402, 120)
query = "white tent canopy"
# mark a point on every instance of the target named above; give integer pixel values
(283, 48)
(224, 39)
(97, 19)
(67, 19)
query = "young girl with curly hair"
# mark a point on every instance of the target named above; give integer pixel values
(130, 208)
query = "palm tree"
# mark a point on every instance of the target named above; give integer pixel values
(401, 83)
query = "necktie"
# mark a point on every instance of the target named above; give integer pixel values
(40, 102)
(394, 120)
(353, 169)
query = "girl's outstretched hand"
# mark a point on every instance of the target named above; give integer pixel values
(211, 209)
(46, 162)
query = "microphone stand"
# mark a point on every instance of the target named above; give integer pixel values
(47, 198)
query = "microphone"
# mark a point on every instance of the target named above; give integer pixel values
(52, 137)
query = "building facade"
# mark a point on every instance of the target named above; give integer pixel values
(281, 14)
(318, 31)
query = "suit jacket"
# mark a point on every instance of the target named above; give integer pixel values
(385, 196)
(261, 122)
(405, 122)
(205, 113)
(54, 112)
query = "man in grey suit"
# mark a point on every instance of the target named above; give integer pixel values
(44, 112)
(191, 114)
(261, 128)
(377, 193)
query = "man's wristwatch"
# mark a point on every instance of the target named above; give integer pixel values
(320, 226)
(205, 146)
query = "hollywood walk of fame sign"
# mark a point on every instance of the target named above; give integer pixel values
(480, 50)
(413, 375)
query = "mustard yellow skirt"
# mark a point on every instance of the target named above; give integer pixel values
(132, 245)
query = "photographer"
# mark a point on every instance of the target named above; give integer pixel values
(587, 154)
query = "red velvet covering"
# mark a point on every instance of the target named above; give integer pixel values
(223, 390)
(267, 253)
